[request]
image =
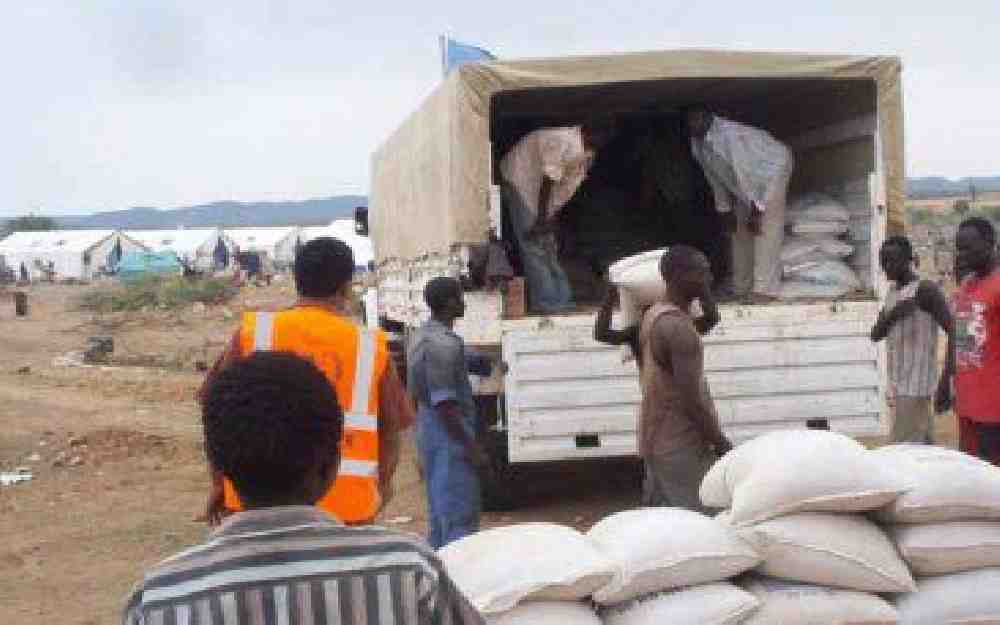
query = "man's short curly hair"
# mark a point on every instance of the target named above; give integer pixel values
(322, 267)
(269, 420)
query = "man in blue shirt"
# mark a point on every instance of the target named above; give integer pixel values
(438, 379)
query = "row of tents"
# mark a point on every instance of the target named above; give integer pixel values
(86, 254)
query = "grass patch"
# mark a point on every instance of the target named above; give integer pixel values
(159, 292)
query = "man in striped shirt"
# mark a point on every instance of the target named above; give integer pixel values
(914, 309)
(282, 560)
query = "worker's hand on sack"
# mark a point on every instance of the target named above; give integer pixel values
(611, 297)
(722, 446)
(942, 398)
(756, 221)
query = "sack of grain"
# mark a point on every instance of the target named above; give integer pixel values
(657, 549)
(639, 283)
(799, 471)
(838, 550)
(816, 207)
(796, 250)
(939, 548)
(947, 485)
(721, 603)
(819, 228)
(791, 603)
(547, 613)
(498, 568)
(969, 598)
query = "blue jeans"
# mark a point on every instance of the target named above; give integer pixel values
(548, 285)
(453, 495)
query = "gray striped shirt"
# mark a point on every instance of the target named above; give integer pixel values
(912, 348)
(298, 566)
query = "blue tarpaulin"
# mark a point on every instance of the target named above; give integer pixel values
(138, 264)
(455, 54)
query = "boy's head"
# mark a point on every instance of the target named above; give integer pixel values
(324, 267)
(896, 257)
(686, 271)
(975, 246)
(272, 426)
(445, 298)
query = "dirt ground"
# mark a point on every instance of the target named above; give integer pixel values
(119, 475)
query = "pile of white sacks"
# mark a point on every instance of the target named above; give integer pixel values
(816, 530)
(813, 256)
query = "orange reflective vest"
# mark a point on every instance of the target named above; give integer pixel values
(355, 361)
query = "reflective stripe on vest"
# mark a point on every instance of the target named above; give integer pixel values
(358, 468)
(358, 417)
(263, 334)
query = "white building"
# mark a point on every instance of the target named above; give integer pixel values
(277, 245)
(68, 254)
(343, 229)
(200, 248)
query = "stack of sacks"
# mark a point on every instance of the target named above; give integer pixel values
(671, 566)
(791, 603)
(812, 257)
(947, 527)
(529, 573)
(797, 497)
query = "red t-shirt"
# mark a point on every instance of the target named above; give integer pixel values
(977, 339)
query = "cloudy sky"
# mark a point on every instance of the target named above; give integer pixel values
(111, 104)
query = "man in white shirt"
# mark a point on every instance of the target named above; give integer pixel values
(540, 174)
(748, 170)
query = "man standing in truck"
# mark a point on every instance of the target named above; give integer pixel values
(679, 433)
(914, 309)
(976, 307)
(748, 171)
(540, 174)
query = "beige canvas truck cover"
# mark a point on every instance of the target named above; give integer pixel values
(430, 179)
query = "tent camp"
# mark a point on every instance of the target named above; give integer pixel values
(276, 245)
(343, 229)
(66, 254)
(205, 249)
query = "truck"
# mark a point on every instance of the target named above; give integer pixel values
(562, 397)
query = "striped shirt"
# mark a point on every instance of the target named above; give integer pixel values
(296, 565)
(912, 347)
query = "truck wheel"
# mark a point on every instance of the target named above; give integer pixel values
(497, 484)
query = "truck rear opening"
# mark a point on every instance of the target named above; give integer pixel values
(830, 124)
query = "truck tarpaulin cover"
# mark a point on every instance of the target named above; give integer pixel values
(430, 179)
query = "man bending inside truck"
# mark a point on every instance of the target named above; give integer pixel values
(914, 309)
(679, 433)
(748, 171)
(540, 175)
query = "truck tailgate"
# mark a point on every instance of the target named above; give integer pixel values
(768, 368)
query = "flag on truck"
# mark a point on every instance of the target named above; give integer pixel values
(455, 54)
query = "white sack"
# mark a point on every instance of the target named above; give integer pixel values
(939, 548)
(948, 485)
(791, 603)
(498, 568)
(798, 289)
(815, 228)
(798, 471)
(838, 550)
(547, 613)
(969, 598)
(825, 271)
(817, 207)
(639, 283)
(657, 549)
(712, 604)
(796, 250)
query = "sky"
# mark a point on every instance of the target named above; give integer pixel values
(113, 104)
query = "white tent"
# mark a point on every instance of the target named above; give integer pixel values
(343, 229)
(71, 254)
(200, 248)
(276, 244)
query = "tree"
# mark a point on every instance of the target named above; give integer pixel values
(30, 223)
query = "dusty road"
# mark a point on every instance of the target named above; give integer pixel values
(116, 455)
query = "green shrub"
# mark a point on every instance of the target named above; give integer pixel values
(163, 292)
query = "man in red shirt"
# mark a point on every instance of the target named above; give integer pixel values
(977, 340)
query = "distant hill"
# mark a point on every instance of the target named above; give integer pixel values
(919, 188)
(316, 212)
